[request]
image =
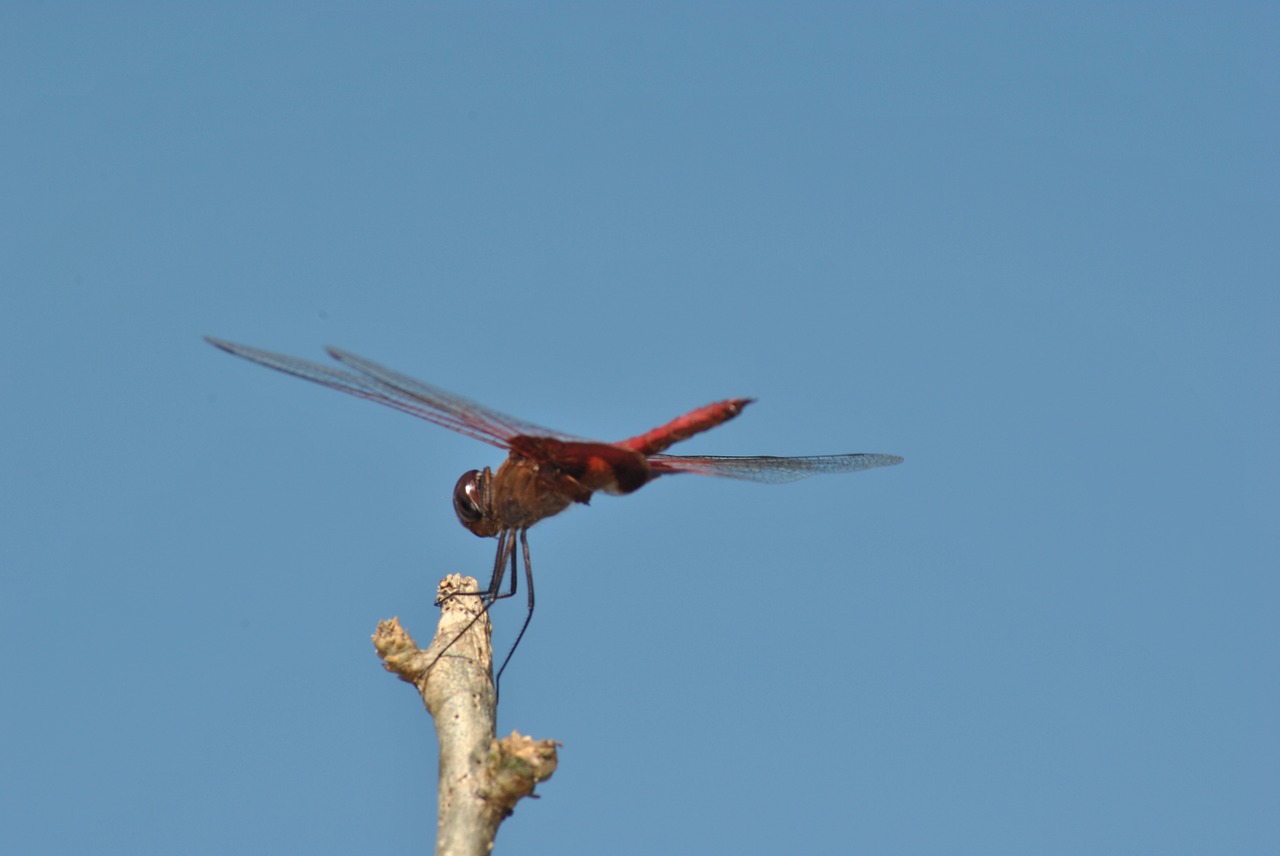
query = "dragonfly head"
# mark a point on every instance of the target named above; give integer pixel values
(473, 502)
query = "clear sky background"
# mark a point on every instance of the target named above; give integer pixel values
(1034, 250)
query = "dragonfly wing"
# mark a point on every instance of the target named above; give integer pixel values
(768, 468)
(451, 410)
(425, 402)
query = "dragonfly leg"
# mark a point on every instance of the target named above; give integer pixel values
(506, 554)
(506, 550)
(528, 576)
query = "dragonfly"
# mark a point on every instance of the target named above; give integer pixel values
(546, 471)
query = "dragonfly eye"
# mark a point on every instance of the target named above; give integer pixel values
(466, 498)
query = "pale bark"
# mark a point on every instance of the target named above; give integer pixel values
(481, 778)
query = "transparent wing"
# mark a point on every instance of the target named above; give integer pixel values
(401, 392)
(768, 468)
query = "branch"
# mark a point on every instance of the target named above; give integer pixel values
(481, 778)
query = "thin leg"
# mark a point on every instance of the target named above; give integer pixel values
(506, 547)
(506, 554)
(528, 575)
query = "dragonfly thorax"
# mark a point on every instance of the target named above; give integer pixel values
(518, 495)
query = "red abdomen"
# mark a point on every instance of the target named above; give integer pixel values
(684, 427)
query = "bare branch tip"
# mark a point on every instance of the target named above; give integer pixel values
(449, 589)
(516, 765)
(399, 653)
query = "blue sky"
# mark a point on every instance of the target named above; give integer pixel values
(1033, 250)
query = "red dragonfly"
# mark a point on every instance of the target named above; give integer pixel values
(546, 471)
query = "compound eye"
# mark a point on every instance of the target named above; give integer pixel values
(466, 498)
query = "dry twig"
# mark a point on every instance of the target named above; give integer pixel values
(481, 778)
